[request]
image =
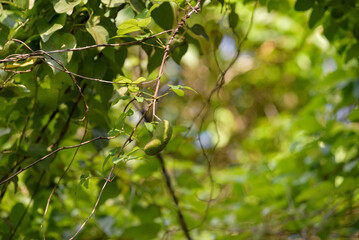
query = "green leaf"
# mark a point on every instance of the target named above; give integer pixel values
(139, 99)
(65, 6)
(112, 3)
(144, 22)
(128, 26)
(118, 98)
(179, 87)
(56, 42)
(330, 29)
(352, 52)
(99, 33)
(315, 16)
(132, 25)
(248, 1)
(164, 16)
(149, 126)
(146, 214)
(123, 15)
(112, 153)
(16, 213)
(189, 88)
(233, 17)
(303, 5)
(21, 3)
(122, 80)
(354, 115)
(129, 112)
(147, 169)
(179, 92)
(139, 80)
(154, 6)
(133, 89)
(262, 2)
(135, 149)
(142, 36)
(278, 5)
(84, 180)
(174, 86)
(46, 29)
(179, 52)
(199, 30)
(118, 159)
(114, 132)
(99, 144)
(120, 120)
(154, 60)
(3, 36)
(13, 90)
(138, 5)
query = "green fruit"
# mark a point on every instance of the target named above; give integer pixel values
(161, 137)
(163, 131)
(154, 146)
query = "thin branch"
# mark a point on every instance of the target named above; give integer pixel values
(63, 66)
(19, 57)
(74, 81)
(8, 79)
(167, 49)
(216, 89)
(171, 190)
(175, 199)
(52, 153)
(109, 177)
(58, 182)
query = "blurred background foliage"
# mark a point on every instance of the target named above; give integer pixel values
(267, 149)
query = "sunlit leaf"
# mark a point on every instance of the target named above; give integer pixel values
(139, 99)
(122, 80)
(179, 92)
(118, 159)
(149, 126)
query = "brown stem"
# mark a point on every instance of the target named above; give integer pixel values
(175, 199)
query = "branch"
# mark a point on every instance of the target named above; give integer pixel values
(20, 57)
(52, 153)
(216, 89)
(58, 182)
(109, 177)
(167, 49)
(172, 192)
(175, 200)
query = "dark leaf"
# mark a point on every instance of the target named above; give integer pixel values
(233, 19)
(352, 52)
(303, 5)
(179, 52)
(199, 30)
(163, 16)
(315, 16)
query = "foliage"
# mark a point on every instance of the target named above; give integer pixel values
(262, 97)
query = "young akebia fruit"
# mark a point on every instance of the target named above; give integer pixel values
(161, 137)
